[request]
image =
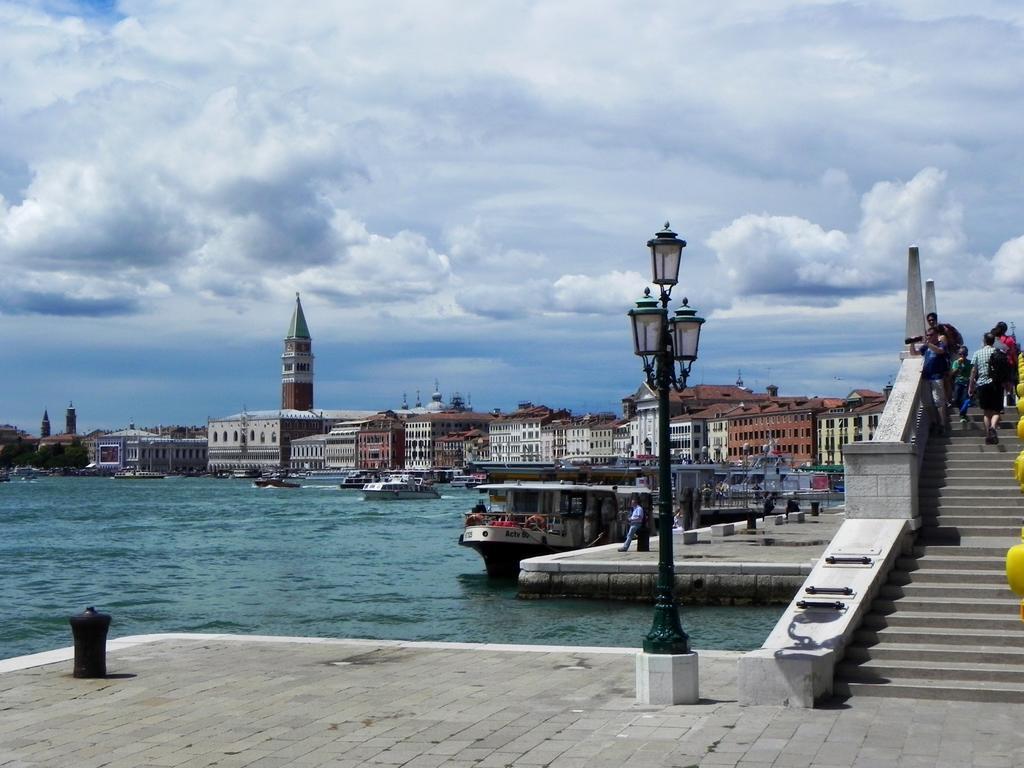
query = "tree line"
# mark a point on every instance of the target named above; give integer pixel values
(57, 456)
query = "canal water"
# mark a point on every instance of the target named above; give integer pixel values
(206, 555)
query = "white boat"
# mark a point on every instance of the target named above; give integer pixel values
(525, 519)
(400, 487)
(461, 480)
(357, 480)
(138, 474)
(327, 475)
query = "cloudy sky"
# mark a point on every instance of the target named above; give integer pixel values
(463, 192)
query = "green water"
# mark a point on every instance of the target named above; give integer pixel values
(204, 555)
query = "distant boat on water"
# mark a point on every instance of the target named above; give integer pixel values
(274, 482)
(401, 487)
(138, 474)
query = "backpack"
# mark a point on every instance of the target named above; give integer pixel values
(999, 366)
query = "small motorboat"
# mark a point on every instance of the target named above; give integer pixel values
(274, 482)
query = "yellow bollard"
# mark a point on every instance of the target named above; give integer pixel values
(1015, 571)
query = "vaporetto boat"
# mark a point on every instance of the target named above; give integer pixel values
(400, 487)
(528, 519)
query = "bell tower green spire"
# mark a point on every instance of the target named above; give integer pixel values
(298, 328)
(297, 363)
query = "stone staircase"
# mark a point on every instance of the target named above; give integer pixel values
(946, 625)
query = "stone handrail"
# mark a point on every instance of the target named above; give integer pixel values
(900, 421)
(882, 473)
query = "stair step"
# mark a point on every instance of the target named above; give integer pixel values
(972, 576)
(951, 532)
(944, 550)
(884, 671)
(979, 491)
(933, 636)
(936, 653)
(1013, 512)
(1012, 522)
(924, 604)
(935, 480)
(951, 563)
(1009, 622)
(928, 689)
(965, 592)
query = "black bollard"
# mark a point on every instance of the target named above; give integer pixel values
(815, 507)
(643, 539)
(89, 629)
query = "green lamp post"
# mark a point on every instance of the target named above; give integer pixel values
(662, 342)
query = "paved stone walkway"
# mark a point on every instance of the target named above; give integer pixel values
(194, 700)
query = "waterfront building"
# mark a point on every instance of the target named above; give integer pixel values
(688, 437)
(515, 438)
(786, 428)
(476, 449)
(307, 452)
(553, 440)
(644, 406)
(340, 445)
(622, 438)
(10, 434)
(139, 449)
(380, 443)
(852, 421)
(716, 420)
(589, 439)
(450, 451)
(262, 440)
(297, 364)
(424, 430)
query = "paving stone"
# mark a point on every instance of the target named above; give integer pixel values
(239, 703)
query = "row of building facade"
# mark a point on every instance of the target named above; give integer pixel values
(711, 423)
(708, 423)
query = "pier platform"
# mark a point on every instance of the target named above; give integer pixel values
(251, 702)
(723, 564)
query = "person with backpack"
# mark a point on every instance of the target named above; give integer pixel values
(952, 339)
(636, 522)
(1008, 344)
(961, 370)
(987, 387)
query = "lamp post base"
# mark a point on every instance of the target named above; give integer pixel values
(665, 678)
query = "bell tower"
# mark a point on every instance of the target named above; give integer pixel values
(297, 363)
(44, 427)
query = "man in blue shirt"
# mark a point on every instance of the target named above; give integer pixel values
(936, 366)
(636, 522)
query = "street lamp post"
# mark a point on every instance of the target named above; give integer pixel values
(661, 342)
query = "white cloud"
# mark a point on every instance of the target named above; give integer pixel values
(1008, 265)
(766, 254)
(495, 176)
